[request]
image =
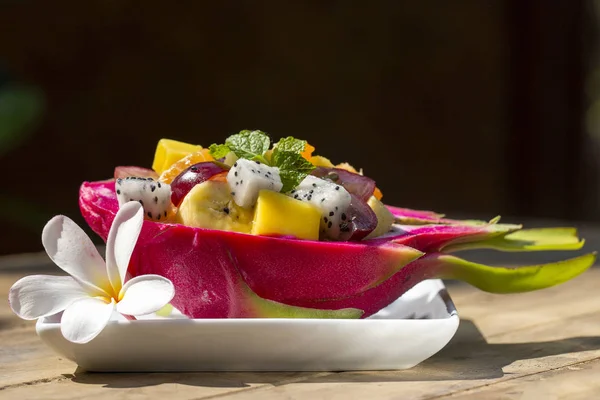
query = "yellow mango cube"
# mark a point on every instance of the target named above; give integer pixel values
(278, 214)
(168, 152)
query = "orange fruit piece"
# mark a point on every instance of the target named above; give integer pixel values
(220, 177)
(194, 158)
(377, 193)
(308, 150)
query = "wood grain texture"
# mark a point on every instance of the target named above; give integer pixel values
(508, 347)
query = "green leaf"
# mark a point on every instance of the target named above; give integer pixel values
(290, 144)
(261, 158)
(510, 280)
(293, 168)
(219, 150)
(541, 239)
(253, 145)
(495, 220)
(249, 144)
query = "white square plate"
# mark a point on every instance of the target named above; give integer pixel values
(410, 330)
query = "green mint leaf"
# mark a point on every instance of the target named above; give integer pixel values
(291, 144)
(249, 144)
(290, 179)
(262, 159)
(292, 161)
(293, 168)
(219, 150)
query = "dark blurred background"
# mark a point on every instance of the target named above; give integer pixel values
(472, 108)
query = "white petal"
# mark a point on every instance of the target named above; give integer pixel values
(84, 319)
(73, 251)
(145, 294)
(121, 241)
(38, 296)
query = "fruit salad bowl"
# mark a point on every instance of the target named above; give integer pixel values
(249, 273)
(212, 270)
(258, 245)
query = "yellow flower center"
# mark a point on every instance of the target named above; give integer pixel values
(106, 299)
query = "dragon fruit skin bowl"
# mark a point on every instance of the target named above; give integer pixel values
(222, 274)
(251, 229)
(209, 267)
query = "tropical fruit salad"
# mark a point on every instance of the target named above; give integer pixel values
(248, 185)
(255, 229)
(259, 228)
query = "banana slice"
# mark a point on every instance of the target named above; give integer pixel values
(210, 205)
(385, 219)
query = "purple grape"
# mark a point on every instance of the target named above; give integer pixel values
(355, 184)
(361, 220)
(190, 177)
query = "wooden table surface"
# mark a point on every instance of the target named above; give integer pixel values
(540, 345)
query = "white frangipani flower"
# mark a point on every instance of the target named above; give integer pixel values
(95, 288)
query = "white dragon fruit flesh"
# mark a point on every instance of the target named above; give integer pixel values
(246, 178)
(154, 196)
(332, 199)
